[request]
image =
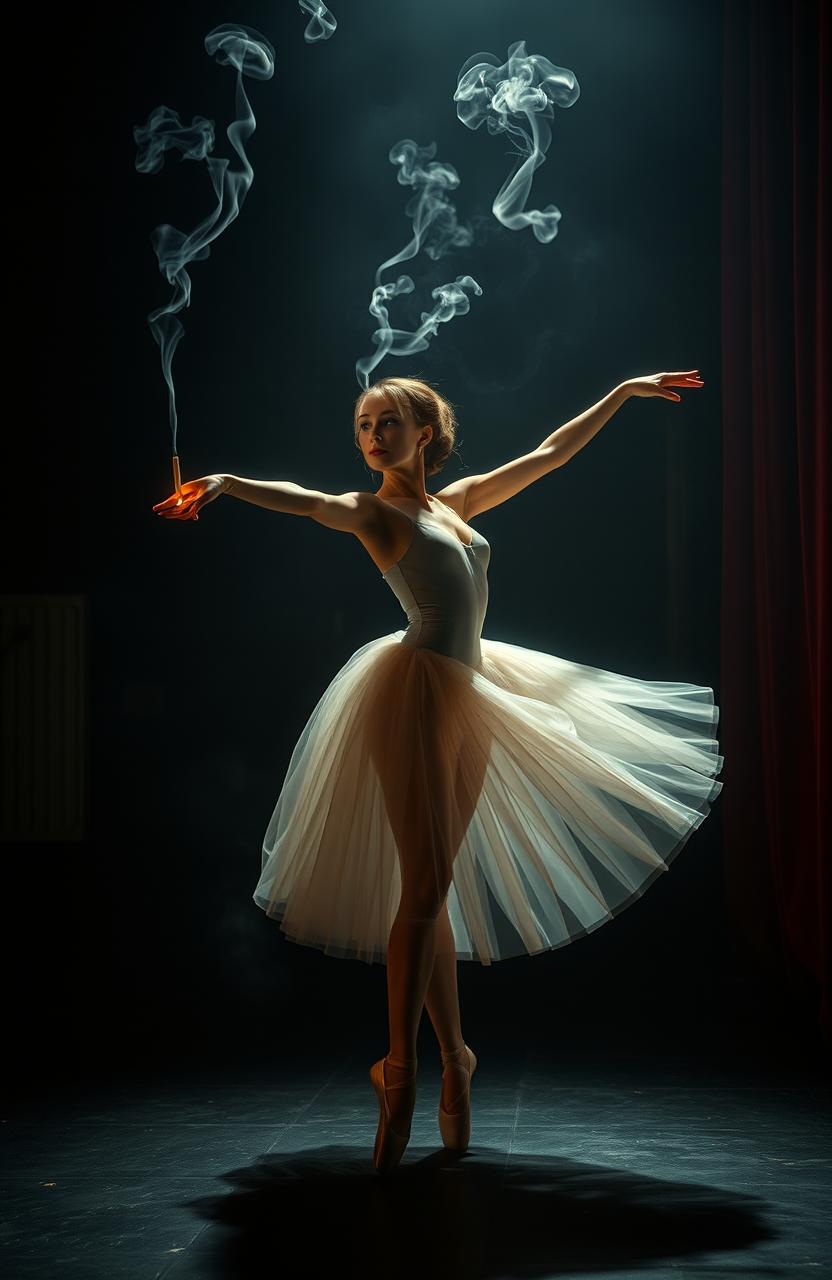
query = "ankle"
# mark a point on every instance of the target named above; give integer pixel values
(404, 1064)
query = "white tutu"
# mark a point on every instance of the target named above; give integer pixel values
(564, 789)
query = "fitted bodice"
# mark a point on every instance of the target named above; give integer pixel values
(442, 585)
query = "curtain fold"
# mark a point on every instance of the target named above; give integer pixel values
(775, 569)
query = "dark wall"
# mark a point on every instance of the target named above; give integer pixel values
(210, 643)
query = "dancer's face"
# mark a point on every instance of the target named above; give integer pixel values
(383, 427)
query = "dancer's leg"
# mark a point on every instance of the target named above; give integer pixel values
(410, 959)
(430, 765)
(442, 1003)
(442, 998)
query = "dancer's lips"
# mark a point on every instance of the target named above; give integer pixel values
(374, 451)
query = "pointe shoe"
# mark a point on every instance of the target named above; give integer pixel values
(390, 1145)
(455, 1125)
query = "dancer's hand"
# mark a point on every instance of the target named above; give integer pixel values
(657, 384)
(192, 495)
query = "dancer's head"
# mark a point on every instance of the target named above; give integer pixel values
(408, 420)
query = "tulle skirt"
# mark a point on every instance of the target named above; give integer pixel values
(537, 796)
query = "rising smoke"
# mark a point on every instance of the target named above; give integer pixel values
(321, 25)
(517, 98)
(251, 54)
(436, 232)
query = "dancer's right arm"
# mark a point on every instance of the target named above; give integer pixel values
(348, 511)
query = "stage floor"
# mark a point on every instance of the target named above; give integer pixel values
(598, 1165)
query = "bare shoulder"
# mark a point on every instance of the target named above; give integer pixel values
(383, 530)
(454, 496)
(353, 512)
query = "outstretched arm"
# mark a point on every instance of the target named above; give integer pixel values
(275, 495)
(472, 495)
(351, 512)
(565, 442)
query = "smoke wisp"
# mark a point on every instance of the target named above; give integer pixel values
(436, 231)
(518, 98)
(321, 24)
(251, 54)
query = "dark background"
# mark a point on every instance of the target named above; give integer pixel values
(208, 644)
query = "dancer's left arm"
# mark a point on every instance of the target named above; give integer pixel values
(472, 495)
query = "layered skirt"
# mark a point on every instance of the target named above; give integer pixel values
(541, 796)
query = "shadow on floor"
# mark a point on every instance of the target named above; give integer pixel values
(473, 1215)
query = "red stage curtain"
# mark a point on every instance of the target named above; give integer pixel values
(775, 598)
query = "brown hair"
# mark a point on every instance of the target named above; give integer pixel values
(417, 399)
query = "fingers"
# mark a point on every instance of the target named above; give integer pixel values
(680, 380)
(181, 504)
(189, 491)
(173, 500)
(186, 511)
(659, 384)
